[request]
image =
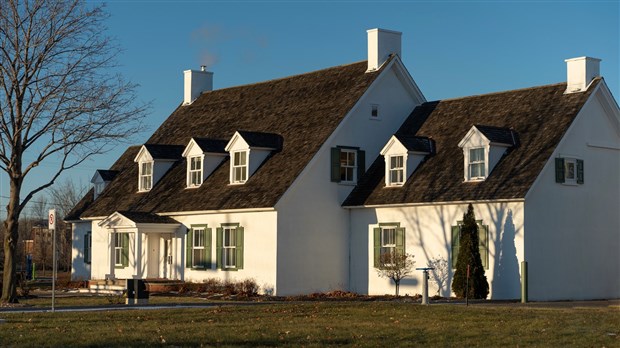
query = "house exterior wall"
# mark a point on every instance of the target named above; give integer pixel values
(79, 269)
(313, 229)
(573, 231)
(428, 236)
(259, 247)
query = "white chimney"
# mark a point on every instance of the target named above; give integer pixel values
(382, 43)
(580, 72)
(196, 82)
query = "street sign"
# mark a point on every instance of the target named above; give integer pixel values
(51, 219)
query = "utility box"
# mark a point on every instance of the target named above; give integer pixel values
(137, 292)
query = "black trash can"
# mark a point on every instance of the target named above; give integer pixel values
(137, 292)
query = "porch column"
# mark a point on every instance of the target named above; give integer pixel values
(139, 269)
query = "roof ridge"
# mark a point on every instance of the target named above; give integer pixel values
(288, 77)
(499, 92)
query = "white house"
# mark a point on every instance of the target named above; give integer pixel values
(286, 182)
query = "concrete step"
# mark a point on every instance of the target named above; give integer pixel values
(106, 287)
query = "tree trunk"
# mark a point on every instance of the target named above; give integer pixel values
(9, 280)
(397, 286)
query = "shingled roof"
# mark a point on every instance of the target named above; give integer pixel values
(539, 115)
(301, 110)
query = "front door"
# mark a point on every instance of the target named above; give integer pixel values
(152, 267)
(167, 259)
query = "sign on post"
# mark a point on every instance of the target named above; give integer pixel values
(51, 219)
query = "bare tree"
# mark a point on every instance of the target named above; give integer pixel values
(441, 273)
(60, 101)
(64, 196)
(395, 266)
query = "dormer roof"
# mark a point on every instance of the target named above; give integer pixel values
(161, 151)
(416, 143)
(270, 141)
(208, 145)
(105, 175)
(495, 135)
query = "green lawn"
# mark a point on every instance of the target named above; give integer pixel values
(372, 324)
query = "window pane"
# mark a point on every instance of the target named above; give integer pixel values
(476, 155)
(570, 170)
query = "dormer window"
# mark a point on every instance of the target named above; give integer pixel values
(239, 167)
(483, 148)
(397, 170)
(153, 161)
(195, 171)
(402, 155)
(101, 179)
(477, 161)
(248, 150)
(146, 176)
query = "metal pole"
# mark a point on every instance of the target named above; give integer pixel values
(467, 288)
(54, 269)
(523, 281)
(425, 288)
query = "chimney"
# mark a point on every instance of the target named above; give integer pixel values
(580, 72)
(195, 83)
(382, 43)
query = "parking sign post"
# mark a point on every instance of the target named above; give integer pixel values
(51, 221)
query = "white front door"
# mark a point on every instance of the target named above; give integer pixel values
(167, 257)
(152, 265)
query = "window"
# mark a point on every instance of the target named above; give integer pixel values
(230, 247)
(389, 239)
(569, 171)
(146, 176)
(374, 112)
(483, 243)
(397, 170)
(239, 167)
(198, 243)
(121, 250)
(195, 171)
(87, 247)
(347, 164)
(476, 164)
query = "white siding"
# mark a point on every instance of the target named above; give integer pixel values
(79, 269)
(428, 236)
(573, 231)
(313, 229)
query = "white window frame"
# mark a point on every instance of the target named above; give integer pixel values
(118, 250)
(145, 181)
(568, 162)
(229, 247)
(198, 246)
(396, 169)
(482, 163)
(345, 166)
(194, 174)
(375, 112)
(239, 169)
(388, 240)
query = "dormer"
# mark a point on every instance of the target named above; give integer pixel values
(154, 160)
(203, 155)
(483, 147)
(247, 152)
(403, 154)
(101, 179)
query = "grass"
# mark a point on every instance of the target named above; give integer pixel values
(369, 324)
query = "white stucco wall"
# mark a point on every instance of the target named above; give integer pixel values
(79, 269)
(259, 247)
(313, 229)
(572, 232)
(428, 236)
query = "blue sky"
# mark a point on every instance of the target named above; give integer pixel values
(451, 48)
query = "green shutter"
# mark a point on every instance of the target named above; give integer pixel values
(86, 250)
(239, 247)
(456, 241)
(219, 234)
(580, 171)
(361, 163)
(125, 252)
(189, 239)
(335, 164)
(559, 170)
(377, 243)
(207, 250)
(483, 245)
(400, 240)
